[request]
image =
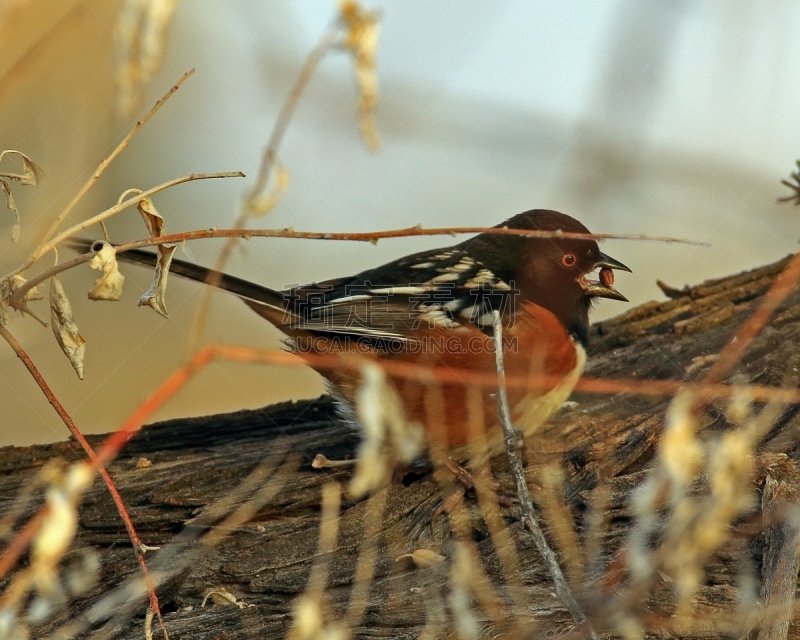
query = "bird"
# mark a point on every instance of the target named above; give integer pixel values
(435, 308)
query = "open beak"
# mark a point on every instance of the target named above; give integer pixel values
(598, 289)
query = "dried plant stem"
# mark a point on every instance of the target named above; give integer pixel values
(19, 294)
(268, 160)
(112, 488)
(21, 540)
(375, 236)
(367, 559)
(490, 506)
(654, 388)
(324, 44)
(514, 447)
(104, 215)
(45, 246)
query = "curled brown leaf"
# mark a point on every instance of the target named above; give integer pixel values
(154, 297)
(31, 174)
(109, 285)
(64, 328)
(142, 32)
(153, 220)
(362, 28)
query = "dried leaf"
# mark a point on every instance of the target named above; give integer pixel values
(224, 598)
(12, 206)
(155, 296)
(64, 328)
(263, 205)
(361, 39)
(33, 294)
(152, 218)
(32, 172)
(142, 33)
(14, 283)
(109, 285)
(423, 558)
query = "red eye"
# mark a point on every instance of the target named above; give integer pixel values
(569, 260)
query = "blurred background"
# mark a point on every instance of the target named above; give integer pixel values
(671, 117)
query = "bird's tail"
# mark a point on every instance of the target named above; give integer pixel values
(248, 291)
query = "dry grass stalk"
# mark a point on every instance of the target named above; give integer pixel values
(388, 437)
(261, 200)
(50, 542)
(561, 524)
(367, 557)
(142, 40)
(514, 447)
(221, 517)
(41, 249)
(361, 40)
(312, 618)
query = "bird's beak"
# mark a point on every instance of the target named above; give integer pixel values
(609, 263)
(598, 289)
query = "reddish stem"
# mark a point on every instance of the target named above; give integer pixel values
(210, 352)
(20, 542)
(112, 488)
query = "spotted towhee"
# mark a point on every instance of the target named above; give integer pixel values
(435, 308)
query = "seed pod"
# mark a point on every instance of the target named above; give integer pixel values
(607, 277)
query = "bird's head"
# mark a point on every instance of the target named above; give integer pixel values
(552, 272)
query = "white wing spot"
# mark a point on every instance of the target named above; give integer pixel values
(446, 277)
(460, 267)
(398, 291)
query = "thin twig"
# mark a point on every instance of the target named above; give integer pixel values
(19, 294)
(514, 446)
(310, 65)
(285, 115)
(375, 236)
(21, 540)
(112, 488)
(369, 236)
(600, 386)
(45, 246)
(104, 215)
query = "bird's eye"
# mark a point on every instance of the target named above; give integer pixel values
(569, 260)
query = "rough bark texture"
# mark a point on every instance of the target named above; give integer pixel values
(602, 445)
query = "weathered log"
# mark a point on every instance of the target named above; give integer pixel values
(603, 447)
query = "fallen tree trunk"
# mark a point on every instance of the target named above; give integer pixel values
(583, 470)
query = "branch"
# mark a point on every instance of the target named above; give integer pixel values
(44, 246)
(514, 446)
(112, 489)
(374, 236)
